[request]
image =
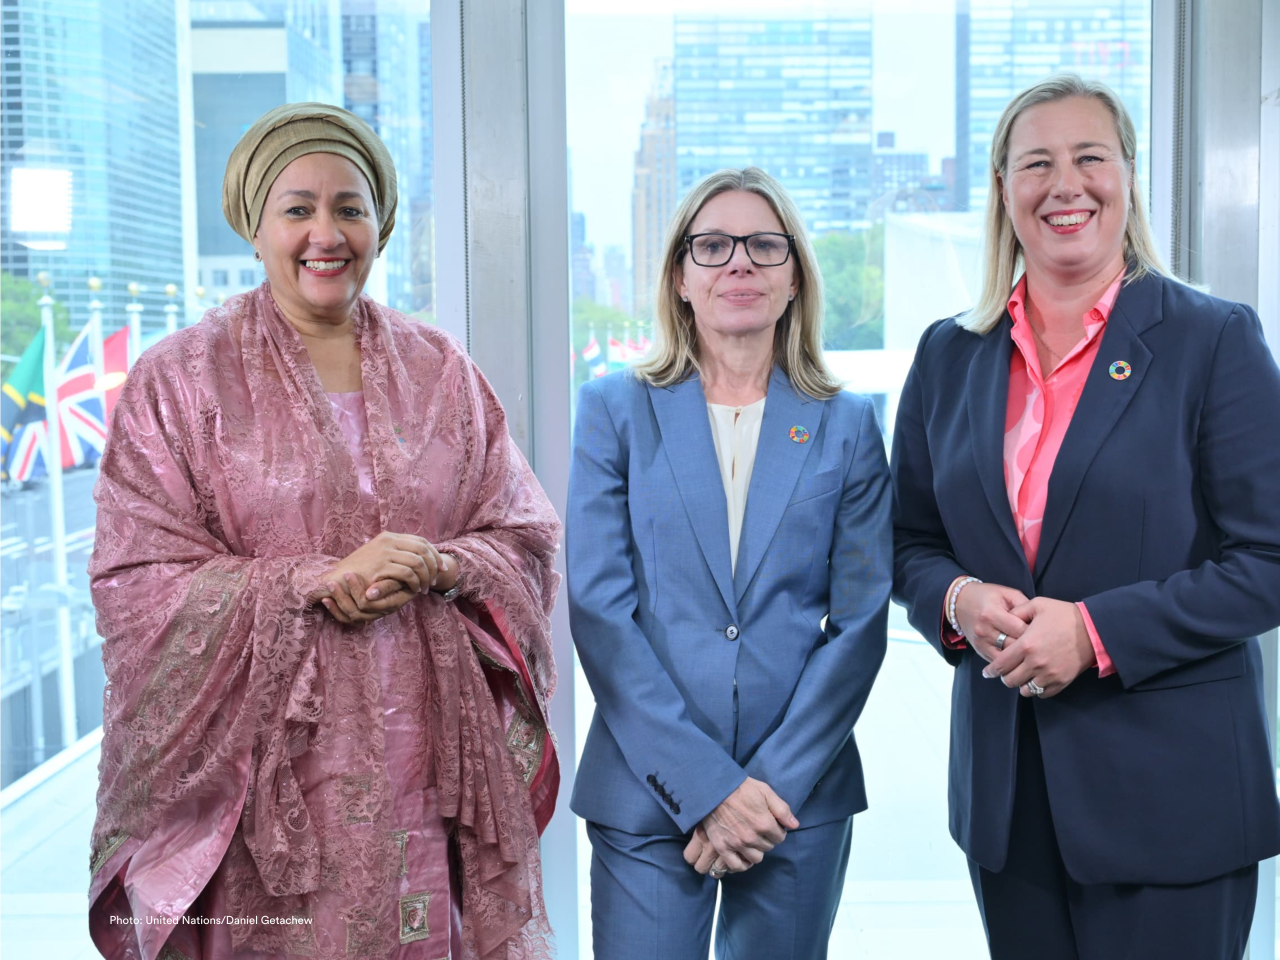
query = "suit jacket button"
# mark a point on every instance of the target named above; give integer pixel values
(731, 632)
(651, 780)
(675, 808)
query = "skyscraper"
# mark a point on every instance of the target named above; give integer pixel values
(792, 96)
(384, 63)
(90, 150)
(1004, 46)
(248, 58)
(653, 194)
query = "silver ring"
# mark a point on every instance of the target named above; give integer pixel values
(1035, 688)
(1000, 641)
(717, 872)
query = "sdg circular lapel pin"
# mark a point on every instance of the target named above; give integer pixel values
(799, 434)
(1120, 370)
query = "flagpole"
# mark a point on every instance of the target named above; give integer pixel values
(53, 466)
(134, 309)
(95, 341)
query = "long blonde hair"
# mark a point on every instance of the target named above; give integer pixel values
(1002, 253)
(797, 341)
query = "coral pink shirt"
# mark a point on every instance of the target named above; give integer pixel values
(1039, 412)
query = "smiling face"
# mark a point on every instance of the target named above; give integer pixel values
(1066, 187)
(738, 298)
(318, 237)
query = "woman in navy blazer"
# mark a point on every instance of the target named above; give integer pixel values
(729, 572)
(1098, 578)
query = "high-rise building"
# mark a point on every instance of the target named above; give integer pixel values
(1004, 46)
(581, 255)
(617, 280)
(384, 63)
(248, 58)
(792, 96)
(90, 151)
(894, 170)
(653, 195)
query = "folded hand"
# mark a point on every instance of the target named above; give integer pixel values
(737, 834)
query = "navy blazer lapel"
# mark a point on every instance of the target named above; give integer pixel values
(987, 392)
(778, 463)
(1101, 404)
(690, 449)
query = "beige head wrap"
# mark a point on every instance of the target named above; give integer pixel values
(281, 136)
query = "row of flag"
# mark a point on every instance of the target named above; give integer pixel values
(86, 398)
(85, 401)
(619, 354)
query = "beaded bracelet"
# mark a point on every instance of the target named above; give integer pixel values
(951, 603)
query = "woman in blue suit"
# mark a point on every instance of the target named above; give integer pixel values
(1087, 523)
(729, 571)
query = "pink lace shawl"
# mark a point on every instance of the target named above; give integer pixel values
(225, 494)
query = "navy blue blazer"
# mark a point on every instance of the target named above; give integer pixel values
(704, 676)
(1163, 515)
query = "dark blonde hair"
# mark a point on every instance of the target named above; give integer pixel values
(797, 343)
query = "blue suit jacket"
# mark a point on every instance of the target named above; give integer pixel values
(686, 708)
(1163, 515)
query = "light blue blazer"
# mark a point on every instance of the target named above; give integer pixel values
(703, 677)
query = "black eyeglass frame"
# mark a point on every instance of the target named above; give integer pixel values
(790, 238)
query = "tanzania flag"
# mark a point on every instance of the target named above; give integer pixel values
(22, 412)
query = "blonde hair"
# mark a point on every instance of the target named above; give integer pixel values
(1002, 253)
(797, 341)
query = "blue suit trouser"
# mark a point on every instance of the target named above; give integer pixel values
(648, 904)
(1032, 908)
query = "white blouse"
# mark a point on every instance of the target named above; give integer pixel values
(736, 431)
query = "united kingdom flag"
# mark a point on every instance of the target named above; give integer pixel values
(80, 417)
(80, 406)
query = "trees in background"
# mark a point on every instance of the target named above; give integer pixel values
(19, 306)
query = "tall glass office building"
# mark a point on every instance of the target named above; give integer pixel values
(1003, 46)
(90, 149)
(385, 65)
(249, 56)
(792, 96)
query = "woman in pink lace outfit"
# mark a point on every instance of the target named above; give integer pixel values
(323, 574)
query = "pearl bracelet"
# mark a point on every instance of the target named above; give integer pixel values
(951, 603)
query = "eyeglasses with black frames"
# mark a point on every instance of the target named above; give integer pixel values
(763, 249)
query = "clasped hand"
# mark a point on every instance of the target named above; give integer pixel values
(746, 825)
(380, 577)
(1045, 640)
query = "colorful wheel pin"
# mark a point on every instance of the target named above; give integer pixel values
(1120, 370)
(799, 434)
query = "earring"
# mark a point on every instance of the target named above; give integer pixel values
(685, 299)
(792, 297)
(257, 256)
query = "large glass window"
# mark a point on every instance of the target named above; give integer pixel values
(877, 117)
(118, 121)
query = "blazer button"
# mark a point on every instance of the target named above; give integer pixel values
(651, 780)
(731, 632)
(675, 808)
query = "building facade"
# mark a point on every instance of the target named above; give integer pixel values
(1004, 46)
(90, 151)
(791, 96)
(653, 193)
(248, 58)
(386, 72)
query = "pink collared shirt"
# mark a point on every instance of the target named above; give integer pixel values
(1039, 412)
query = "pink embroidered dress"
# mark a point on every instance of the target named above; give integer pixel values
(274, 784)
